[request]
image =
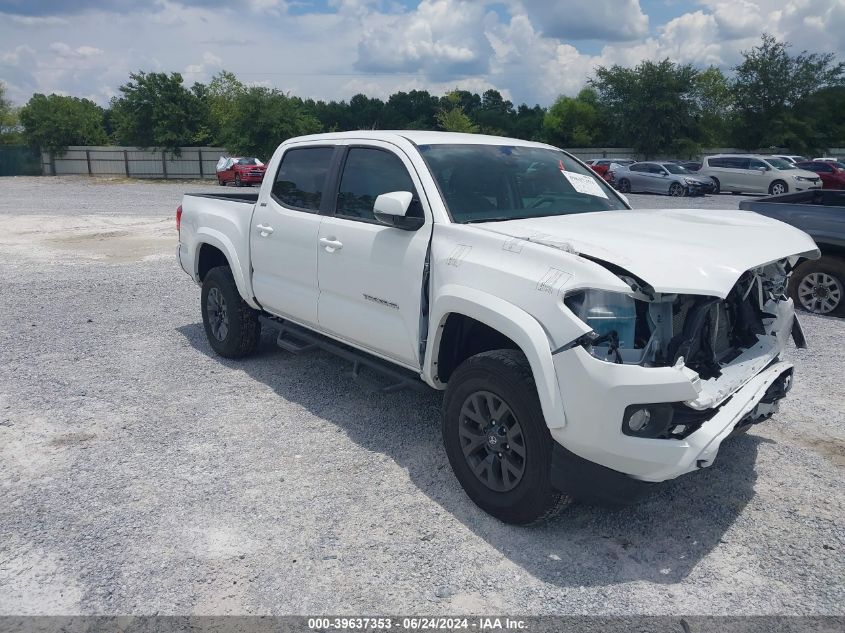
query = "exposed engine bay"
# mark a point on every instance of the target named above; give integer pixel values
(704, 333)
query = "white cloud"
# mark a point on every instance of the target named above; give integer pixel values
(613, 20)
(440, 38)
(530, 50)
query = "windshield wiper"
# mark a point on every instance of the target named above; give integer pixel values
(493, 219)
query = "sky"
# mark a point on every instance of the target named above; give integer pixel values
(530, 50)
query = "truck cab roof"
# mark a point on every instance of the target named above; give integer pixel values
(419, 137)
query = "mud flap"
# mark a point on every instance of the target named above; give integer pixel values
(798, 334)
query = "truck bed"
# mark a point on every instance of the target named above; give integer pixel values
(247, 197)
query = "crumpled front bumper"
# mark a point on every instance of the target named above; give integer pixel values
(595, 394)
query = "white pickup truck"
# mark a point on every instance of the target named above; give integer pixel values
(585, 349)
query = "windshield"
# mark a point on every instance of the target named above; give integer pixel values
(483, 183)
(780, 163)
(673, 168)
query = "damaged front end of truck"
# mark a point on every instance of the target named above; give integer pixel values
(718, 343)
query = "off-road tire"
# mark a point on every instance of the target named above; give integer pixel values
(827, 265)
(244, 327)
(507, 374)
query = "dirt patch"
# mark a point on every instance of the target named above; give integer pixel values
(72, 439)
(110, 239)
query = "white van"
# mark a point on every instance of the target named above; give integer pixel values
(740, 173)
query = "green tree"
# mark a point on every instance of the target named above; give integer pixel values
(252, 121)
(54, 122)
(651, 106)
(825, 110)
(767, 87)
(496, 114)
(573, 122)
(9, 122)
(451, 118)
(715, 107)
(157, 110)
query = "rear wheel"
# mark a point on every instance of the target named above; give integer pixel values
(624, 185)
(231, 325)
(221, 182)
(677, 190)
(819, 286)
(777, 188)
(497, 440)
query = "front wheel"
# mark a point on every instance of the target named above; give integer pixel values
(819, 286)
(717, 186)
(677, 190)
(777, 188)
(497, 440)
(238, 182)
(231, 325)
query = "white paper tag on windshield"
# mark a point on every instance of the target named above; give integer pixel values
(584, 184)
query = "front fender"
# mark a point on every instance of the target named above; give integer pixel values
(516, 324)
(219, 240)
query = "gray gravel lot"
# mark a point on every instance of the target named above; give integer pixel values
(141, 474)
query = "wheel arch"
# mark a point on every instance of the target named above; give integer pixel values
(215, 249)
(496, 321)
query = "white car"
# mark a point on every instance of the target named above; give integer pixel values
(743, 173)
(792, 158)
(585, 349)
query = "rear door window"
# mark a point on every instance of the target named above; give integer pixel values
(301, 179)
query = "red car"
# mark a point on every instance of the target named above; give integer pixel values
(831, 173)
(602, 165)
(244, 172)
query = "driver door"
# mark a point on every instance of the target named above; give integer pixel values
(371, 275)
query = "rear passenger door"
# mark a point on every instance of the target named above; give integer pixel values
(284, 228)
(371, 275)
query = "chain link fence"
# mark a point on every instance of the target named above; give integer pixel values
(19, 160)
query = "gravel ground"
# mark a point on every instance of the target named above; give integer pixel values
(141, 474)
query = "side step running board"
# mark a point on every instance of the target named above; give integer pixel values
(296, 339)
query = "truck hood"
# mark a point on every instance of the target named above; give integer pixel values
(686, 251)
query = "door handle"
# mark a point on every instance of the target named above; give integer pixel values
(331, 244)
(264, 229)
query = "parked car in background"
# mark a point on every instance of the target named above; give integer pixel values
(741, 173)
(831, 159)
(692, 165)
(832, 175)
(815, 285)
(602, 165)
(660, 177)
(791, 158)
(242, 171)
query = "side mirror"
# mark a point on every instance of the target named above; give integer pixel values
(391, 209)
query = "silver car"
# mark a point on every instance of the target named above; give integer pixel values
(661, 177)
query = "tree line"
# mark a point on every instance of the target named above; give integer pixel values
(772, 99)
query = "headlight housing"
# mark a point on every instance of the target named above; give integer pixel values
(606, 312)
(690, 181)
